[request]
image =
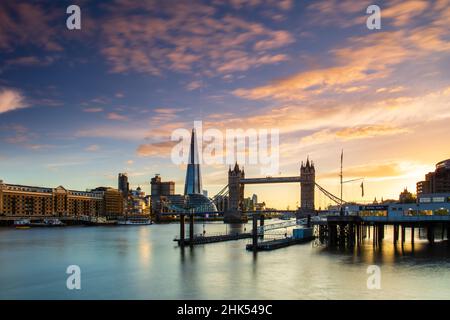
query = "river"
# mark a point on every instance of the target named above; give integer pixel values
(142, 262)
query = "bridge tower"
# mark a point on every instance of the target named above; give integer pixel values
(307, 186)
(236, 195)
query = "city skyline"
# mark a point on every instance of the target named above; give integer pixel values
(78, 107)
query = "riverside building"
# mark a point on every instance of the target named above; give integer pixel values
(437, 181)
(21, 200)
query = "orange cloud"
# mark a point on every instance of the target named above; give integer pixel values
(403, 12)
(116, 116)
(342, 13)
(27, 23)
(430, 39)
(160, 149)
(390, 90)
(381, 115)
(194, 85)
(279, 39)
(114, 132)
(368, 171)
(281, 4)
(368, 131)
(352, 133)
(10, 100)
(348, 13)
(363, 60)
(168, 110)
(93, 110)
(190, 34)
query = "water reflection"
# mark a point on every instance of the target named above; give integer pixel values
(389, 253)
(145, 246)
(145, 263)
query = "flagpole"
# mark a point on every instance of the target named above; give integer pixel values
(342, 180)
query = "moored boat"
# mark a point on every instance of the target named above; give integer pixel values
(48, 223)
(22, 223)
(96, 221)
(135, 222)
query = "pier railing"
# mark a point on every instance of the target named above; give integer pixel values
(213, 234)
(281, 225)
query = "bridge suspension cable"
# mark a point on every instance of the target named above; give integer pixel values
(334, 198)
(223, 192)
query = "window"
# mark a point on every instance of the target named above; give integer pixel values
(438, 199)
(425, 200)
(441, 212)
(373, 213)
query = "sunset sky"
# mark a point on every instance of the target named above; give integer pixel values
(78, 107)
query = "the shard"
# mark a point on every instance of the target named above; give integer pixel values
(193, 183)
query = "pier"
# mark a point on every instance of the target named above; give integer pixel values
(256, 233)
(205, 239)
(350, 231)
(276, 244)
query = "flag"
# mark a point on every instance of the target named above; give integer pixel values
(362, 189)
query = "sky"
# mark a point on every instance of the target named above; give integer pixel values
(79, 106)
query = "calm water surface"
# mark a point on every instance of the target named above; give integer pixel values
(142, 262)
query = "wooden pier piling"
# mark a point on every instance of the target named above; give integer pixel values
(395, 238)
(255, 233)
(430, 233)
(346, 232)
(182, 230)
(374, 238)
(403, 234)
(191, 229)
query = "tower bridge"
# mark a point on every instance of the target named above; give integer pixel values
(234, 211)
(271, 180)
(237, 181)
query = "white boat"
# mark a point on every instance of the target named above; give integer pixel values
(53, 222)
(96, 221)
(135, 222)
(22, 223)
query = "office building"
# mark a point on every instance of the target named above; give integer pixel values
(193, 183)
(123, 184)
(437, 181)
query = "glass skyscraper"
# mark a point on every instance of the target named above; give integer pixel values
(193, 183)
